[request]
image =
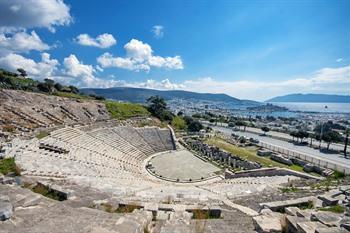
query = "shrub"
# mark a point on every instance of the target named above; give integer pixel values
(8, 165)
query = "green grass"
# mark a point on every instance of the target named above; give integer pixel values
(289, 190)
(42, 134)
(123, 111)
(41, 189)
(72, 95)
(335, 209)
(8, 165)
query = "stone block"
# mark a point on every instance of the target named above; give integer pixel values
(292, 222)
(305, 213)
(328, 200)
(329, 230)
(6, 208)
(292, 210)
(327, 218)
(268, 223)
(308, 227)
(279, 158)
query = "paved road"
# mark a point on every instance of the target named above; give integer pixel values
(288, 137)
(337, 158)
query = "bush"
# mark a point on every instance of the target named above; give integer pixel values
(179, 123)
(8, 165)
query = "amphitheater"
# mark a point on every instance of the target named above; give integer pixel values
(100, 166)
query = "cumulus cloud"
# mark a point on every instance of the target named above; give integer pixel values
(102, 41)
(77, 73)
(165, 84)
(45, 68)
(21, 41)
(139, 56)
(33, 13)
(158, 31)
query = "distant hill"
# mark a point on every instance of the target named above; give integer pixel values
(311, 98)
(139, 95)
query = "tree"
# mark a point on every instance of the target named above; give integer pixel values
(231, 124)
(302, 134)
(195, 126)
(58, 86)
(180, 113)
(293, 134)
(331, 136)
(179, 123)
(347, 133)
(265, 129)
(22, 72)
(158, 108)
(240, 123)
(74, 90)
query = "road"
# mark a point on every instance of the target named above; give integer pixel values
(333, 146)
(337, 158)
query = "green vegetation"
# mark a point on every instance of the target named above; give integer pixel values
(179, 123)
(289, 190)
(8, 165)
(158, 108)
(15, 81)
(335, 209)
(42, 134)
(126, 110)
(45, 191)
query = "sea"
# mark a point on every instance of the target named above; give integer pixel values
(316, 107)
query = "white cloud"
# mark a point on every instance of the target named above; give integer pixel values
(339, 60)
(138, 50)
(34, 13)
(139, 56)
(21, 41)
(77, 73)
(45, 68)
(102, 41)
(326, 80)
(165, 84)
(158, 31)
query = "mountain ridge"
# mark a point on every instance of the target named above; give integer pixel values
(311, 98)
(139, 95)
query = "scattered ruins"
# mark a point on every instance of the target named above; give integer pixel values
(94, 174)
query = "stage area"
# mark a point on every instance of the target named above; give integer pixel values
(182, 166)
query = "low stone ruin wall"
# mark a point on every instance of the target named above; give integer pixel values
(268, 172)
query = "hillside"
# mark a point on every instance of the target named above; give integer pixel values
(311, 98)
(139, 95)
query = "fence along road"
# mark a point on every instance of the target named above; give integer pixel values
(331, 161)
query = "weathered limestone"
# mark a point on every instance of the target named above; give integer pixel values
(328, 200)
(280, 205)
(291, 210)
(264, 152)
(6, 208)
(281, 159)
(268, 222)
(308, 227)
(327, 218)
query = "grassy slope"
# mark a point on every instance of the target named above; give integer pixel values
(126, 110)
(249, 154)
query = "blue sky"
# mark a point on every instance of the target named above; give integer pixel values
(247, 49)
